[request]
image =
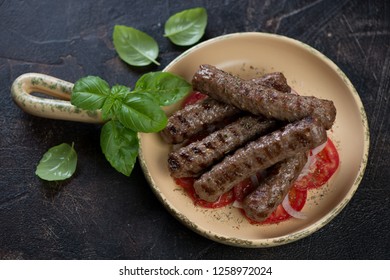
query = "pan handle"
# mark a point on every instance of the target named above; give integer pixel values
(32, 92)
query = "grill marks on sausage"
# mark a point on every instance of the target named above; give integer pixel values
(261, 99)
(260, 203)
(259, 154)
(195, 117)
(275, 80)
(191, 160)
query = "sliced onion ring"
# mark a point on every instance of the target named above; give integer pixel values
(237, 204)
(291, 211)
(319, 148)
(311, 160)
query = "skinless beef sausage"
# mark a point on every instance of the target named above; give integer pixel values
(297, 137)
(275, 80)
(261, 100)
(196, 117)
(191, 160)
(260, 203)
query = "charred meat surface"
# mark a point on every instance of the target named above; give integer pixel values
(275, 80)
(297, 137)
(191, 160)
(196, 117)
(260, 99)
(260, 203)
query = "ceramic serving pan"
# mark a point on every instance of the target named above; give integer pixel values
(248, 55)
(309, 72)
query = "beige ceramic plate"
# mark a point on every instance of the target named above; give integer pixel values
(309, 73)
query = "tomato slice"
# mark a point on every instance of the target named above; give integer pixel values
(188, 185)
(326, 164)
(297, 198)
(193, 97)
(223, 200)
(245, 187)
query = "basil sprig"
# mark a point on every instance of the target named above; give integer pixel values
(186, 27)
(128, 112)
(58, 163)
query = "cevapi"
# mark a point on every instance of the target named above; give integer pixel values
(294, 138)
(260, 99)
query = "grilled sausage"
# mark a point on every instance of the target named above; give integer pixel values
(259, 154)
(260, 203)
(195, 117)
(259, 99)
(191, 160)
(275, 80)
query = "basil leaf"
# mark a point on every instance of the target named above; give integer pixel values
(120, 91)
(139, 112)
(187, 27)
(166, 88)
(90, 93)
(58, 163)
(120, 146)
(135, 47)
(108, 108)
(113, 101)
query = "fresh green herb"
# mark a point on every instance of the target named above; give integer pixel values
(164, 87)
(140, 113)
(139, 49)
(114, 101)
(58, 163)
(91, 93)
(187, 27)
(134, 46)
(120, 146)
(129, 111)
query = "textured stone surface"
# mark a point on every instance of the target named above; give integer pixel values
(100, 214)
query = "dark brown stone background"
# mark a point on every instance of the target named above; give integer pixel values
(100, 214)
